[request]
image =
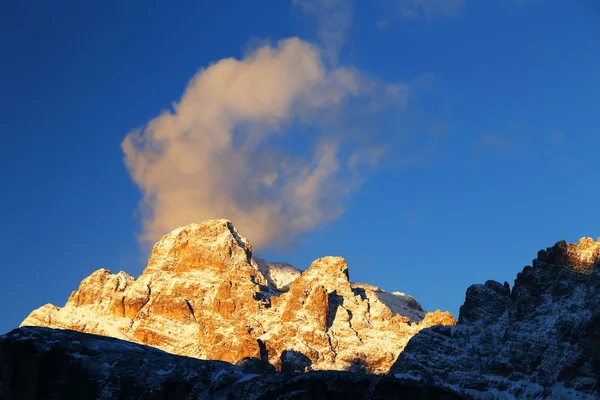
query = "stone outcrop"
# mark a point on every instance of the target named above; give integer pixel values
(539, 340)
(202, 295)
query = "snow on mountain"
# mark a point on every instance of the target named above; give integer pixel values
(203, 295)
(280, 275)
(540, 340)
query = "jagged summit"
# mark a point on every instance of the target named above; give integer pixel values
(540, 339)
(197, 246)
(203, 295)
(582, 257)
(280, 275)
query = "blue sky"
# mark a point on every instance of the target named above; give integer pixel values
(482, 120)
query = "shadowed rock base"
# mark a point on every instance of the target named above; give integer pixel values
(42, 363)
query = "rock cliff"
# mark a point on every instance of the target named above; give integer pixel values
(539, 340)
(203, 295)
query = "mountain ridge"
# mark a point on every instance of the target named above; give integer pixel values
(42, 363)
(203, 295)
(540, 339)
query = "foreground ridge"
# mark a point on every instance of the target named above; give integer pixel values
(203, 295)
(539, 340)
(41, 363)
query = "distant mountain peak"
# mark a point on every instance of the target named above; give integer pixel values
(580, 257)
(203, 295)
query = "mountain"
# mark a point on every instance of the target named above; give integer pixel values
(41, 363)
(202, 295)
(209, 305)
(540, 340)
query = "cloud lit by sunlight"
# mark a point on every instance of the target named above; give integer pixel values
(227, 149)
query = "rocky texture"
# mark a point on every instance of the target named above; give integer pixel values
(41, 363)
(540, 340)
(203, 295)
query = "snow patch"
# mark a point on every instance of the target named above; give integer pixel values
(402, 304)
(280, 275)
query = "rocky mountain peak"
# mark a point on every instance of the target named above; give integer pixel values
(580, 257)
(99, 288)
(331, 272)
(203, 295)
(213, 243)
(539, 340)
(279, 275)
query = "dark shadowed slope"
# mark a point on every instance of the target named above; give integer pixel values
(540, 340)
(42, 363)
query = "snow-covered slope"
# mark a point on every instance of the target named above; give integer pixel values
(540, 340)
(203, 295)
(279, 275)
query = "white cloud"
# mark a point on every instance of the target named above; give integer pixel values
(221, 153)
(333, 19)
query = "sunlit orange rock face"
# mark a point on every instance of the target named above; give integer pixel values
(203, 295)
